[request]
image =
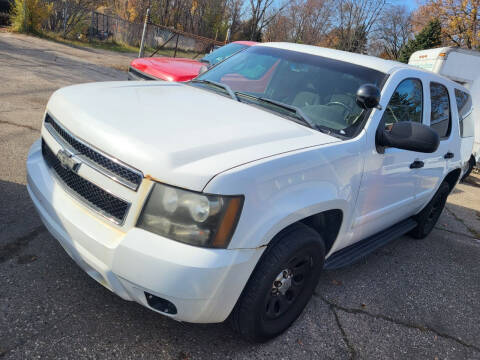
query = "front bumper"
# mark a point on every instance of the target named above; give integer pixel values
(203, 284)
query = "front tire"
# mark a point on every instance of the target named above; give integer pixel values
(428, 217)
(281, 284)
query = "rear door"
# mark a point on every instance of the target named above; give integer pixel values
(433, 167)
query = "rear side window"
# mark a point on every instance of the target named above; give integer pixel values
(440, 119)
(464, 106)
(406, 103)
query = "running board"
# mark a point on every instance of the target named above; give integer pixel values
(359, 250)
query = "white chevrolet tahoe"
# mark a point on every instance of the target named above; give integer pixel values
(226, 197)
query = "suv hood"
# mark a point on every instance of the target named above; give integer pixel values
(169, 69)
(176, 133)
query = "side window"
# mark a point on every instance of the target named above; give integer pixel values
(406, 103)
(464, 106)
(440, 119)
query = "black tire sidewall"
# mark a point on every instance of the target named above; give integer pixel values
(471, 164)
(424, 227)
(249, 312)
(279, 325)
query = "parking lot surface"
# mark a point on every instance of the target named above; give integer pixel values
(410, 299)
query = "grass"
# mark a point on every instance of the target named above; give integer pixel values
(114, 46)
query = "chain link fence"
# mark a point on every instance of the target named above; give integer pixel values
(125, 32)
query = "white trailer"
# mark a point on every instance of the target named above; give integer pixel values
(462, 66)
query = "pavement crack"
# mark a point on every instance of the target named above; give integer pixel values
(472, 231)
(457, 233)
(351, 349)
(19, 125)
(395, 321)
(11, 249)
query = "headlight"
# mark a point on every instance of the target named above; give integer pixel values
(190, 217)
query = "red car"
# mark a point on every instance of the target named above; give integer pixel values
(180, 69)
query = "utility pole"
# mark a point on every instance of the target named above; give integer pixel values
(90, 35)
(64, 18)
(25, 26)
(142, 43)
(227, 37)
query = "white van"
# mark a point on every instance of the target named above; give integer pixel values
(463, 67)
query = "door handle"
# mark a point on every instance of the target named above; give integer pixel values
(417, 164)
(448, 155)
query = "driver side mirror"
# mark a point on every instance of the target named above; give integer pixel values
(368, 97)
(409, 135)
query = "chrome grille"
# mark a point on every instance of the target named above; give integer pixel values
(108, 205)
(108, 166)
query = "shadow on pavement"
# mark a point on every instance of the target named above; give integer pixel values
(472, 181)
(417, 292)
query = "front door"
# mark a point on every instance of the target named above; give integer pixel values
(387, 191)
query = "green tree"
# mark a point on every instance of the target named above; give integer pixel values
(429, 37)
(29, 15)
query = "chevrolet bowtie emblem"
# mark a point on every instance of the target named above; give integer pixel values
(68, 161)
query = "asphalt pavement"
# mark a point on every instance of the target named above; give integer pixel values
(411, 299)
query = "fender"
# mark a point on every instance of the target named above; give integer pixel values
(286, 188)
(284, 212)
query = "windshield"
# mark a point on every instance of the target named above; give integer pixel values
(222, 53)
(290, 83)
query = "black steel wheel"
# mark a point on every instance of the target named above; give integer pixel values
(288, 285)
(281, 285)
(428, 217)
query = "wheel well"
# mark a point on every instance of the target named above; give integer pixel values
(327, 224)
(452, 178)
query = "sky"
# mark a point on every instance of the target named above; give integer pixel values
(410, 4)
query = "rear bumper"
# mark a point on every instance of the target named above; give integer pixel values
(203, 284)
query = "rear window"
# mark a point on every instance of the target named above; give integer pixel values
(440, 119)
(464, 106)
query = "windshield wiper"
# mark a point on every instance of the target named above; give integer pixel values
(225, 87)
(299, 114)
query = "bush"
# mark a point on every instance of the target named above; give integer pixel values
(29, 15)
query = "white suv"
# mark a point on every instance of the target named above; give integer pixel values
(227, 196)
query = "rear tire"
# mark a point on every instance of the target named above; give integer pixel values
(428, 217)
(471, 164)
(281, 284)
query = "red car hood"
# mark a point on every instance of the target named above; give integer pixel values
(168, 69)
